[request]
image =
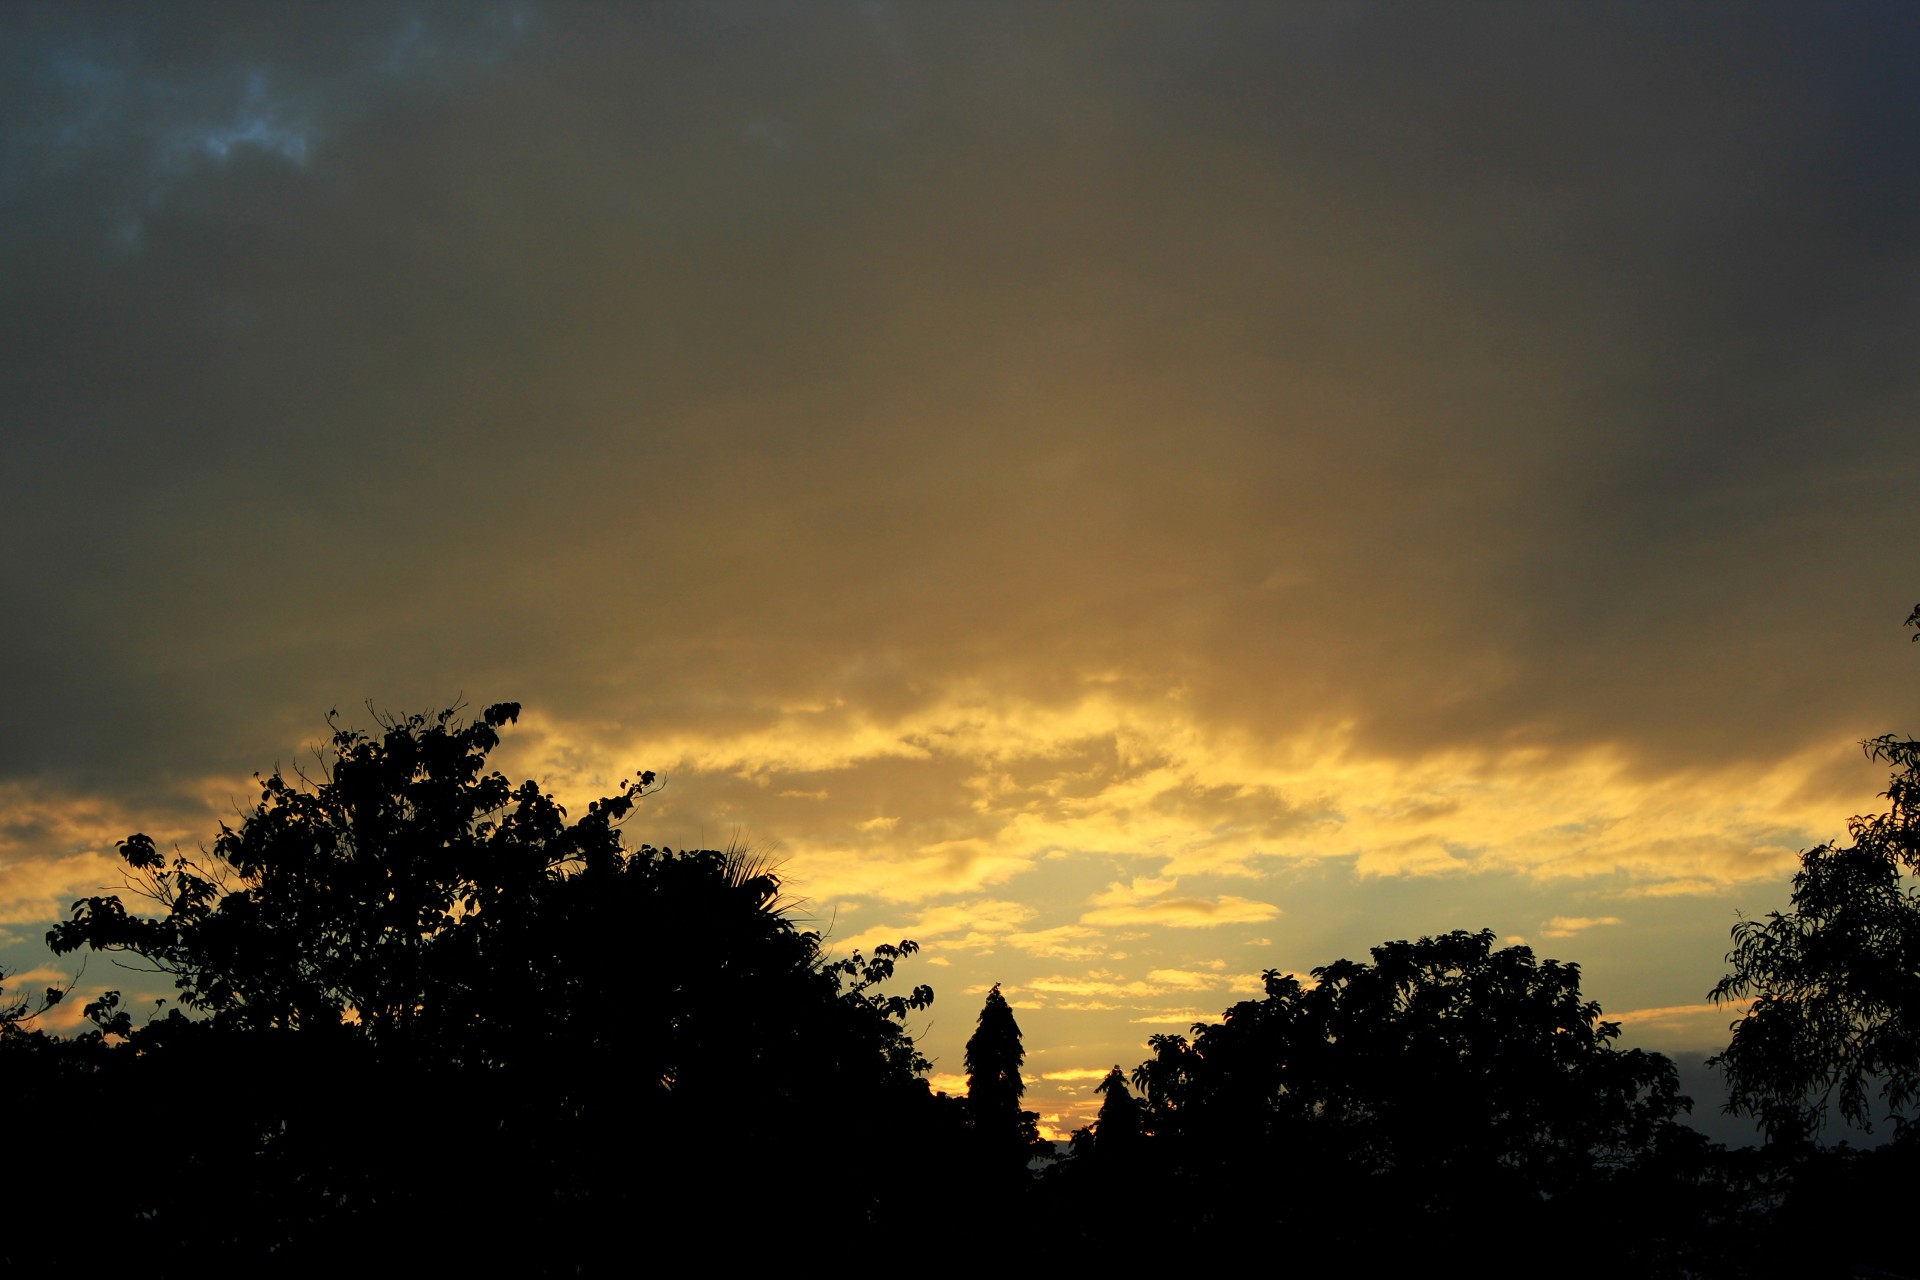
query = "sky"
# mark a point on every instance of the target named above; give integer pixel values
(1127, 495)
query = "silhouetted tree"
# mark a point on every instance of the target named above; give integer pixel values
(1095, 1199)
(994, 1086)
(435, 994)
(1117, 1128)
(994, 1057)
(1446, 1083)
(1836, 980)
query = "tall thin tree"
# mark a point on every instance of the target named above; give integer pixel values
(994, 1086)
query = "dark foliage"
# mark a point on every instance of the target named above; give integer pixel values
(1836, 980)
(1116, 1130)
(425, 992)
(1009, 1136)
(1459, 1091)
(993, 1061)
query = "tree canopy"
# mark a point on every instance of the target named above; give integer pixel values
(1117, 1126)
(1444, 1052)
(994, 1086)
(414, 927)
(1835, 981)
(994, 1057)
(1462, 1083)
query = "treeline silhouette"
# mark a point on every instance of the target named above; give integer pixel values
(422, 1016)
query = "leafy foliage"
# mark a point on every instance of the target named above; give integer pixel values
(1446, 1082)
(993, 1061)
(1836, 980)
(417, 900)
(413, 941)
(335, 904)
(1443, 1054)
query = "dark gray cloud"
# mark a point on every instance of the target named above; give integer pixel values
(1510, 376)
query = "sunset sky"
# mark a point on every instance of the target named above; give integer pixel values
(1129, 496)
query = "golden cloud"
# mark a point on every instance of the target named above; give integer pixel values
(1150, 901)
(43, 889)
(1129, 770)
(979, 923)
(43, 975)
(1138, 889)
(1097, 983)
(1076, 1073)
(1056, 1126)
(1109, 985)
(1062, 942)
(1693, 888)
(1177, 1017)
(1184, 979)
(1680, 1025)
(1674, 1012)
(947, 1082)
(1568, 926)
(925, 871)
(56, 847)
